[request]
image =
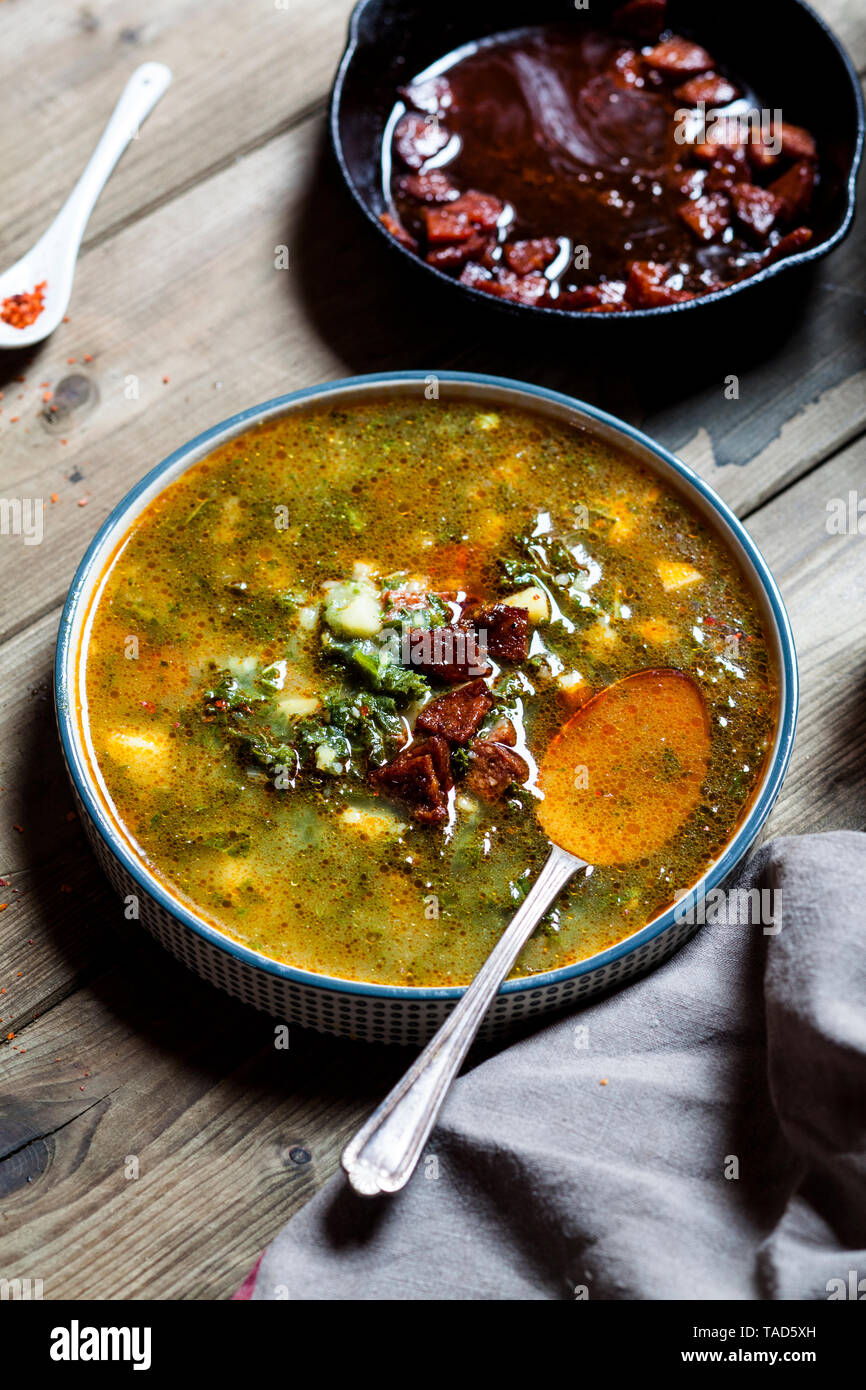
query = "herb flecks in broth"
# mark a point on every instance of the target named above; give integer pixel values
(356, 633)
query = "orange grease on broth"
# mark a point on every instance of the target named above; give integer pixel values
(327, 877)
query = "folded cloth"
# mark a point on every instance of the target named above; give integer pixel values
(699, 1134)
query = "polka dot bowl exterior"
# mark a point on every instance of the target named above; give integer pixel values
(350, 1008)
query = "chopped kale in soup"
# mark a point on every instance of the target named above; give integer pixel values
(326, 661)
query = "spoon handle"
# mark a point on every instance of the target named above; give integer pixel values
(384, 1152)
(138, 98)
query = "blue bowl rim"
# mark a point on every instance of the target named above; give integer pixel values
(810, 253)
(66, 661)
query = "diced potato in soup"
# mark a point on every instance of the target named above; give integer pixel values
(534, 600)
(675, 575)
(314, 748)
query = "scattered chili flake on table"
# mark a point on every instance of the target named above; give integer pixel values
(20, 310)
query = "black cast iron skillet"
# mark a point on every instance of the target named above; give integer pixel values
(780, 48)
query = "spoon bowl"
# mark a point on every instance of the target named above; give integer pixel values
(625, 771)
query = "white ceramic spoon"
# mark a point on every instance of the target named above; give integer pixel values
(53, 257)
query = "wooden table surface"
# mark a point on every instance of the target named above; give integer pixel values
(123, 1063)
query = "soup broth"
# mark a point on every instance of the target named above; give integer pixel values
(266, 637)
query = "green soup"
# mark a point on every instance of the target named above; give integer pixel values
(247, 680)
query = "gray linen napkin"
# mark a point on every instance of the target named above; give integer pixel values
(724, 1158)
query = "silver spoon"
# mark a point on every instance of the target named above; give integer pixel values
(52, 259)
(623, 814)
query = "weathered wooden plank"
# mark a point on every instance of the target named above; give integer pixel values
(243, 70)
(821, 577)
(55, 921)
(148, 1071)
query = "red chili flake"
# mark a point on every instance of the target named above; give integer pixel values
(10, 1036)
(71, 815)
(65, 318)
(82, 501)
(88, 356)
(65, 888)
(20, 310)
(165, 380)
(19, 828)
(55, 497)
(47, 395)
(13, 419)
(70, 360)
(3, 907)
